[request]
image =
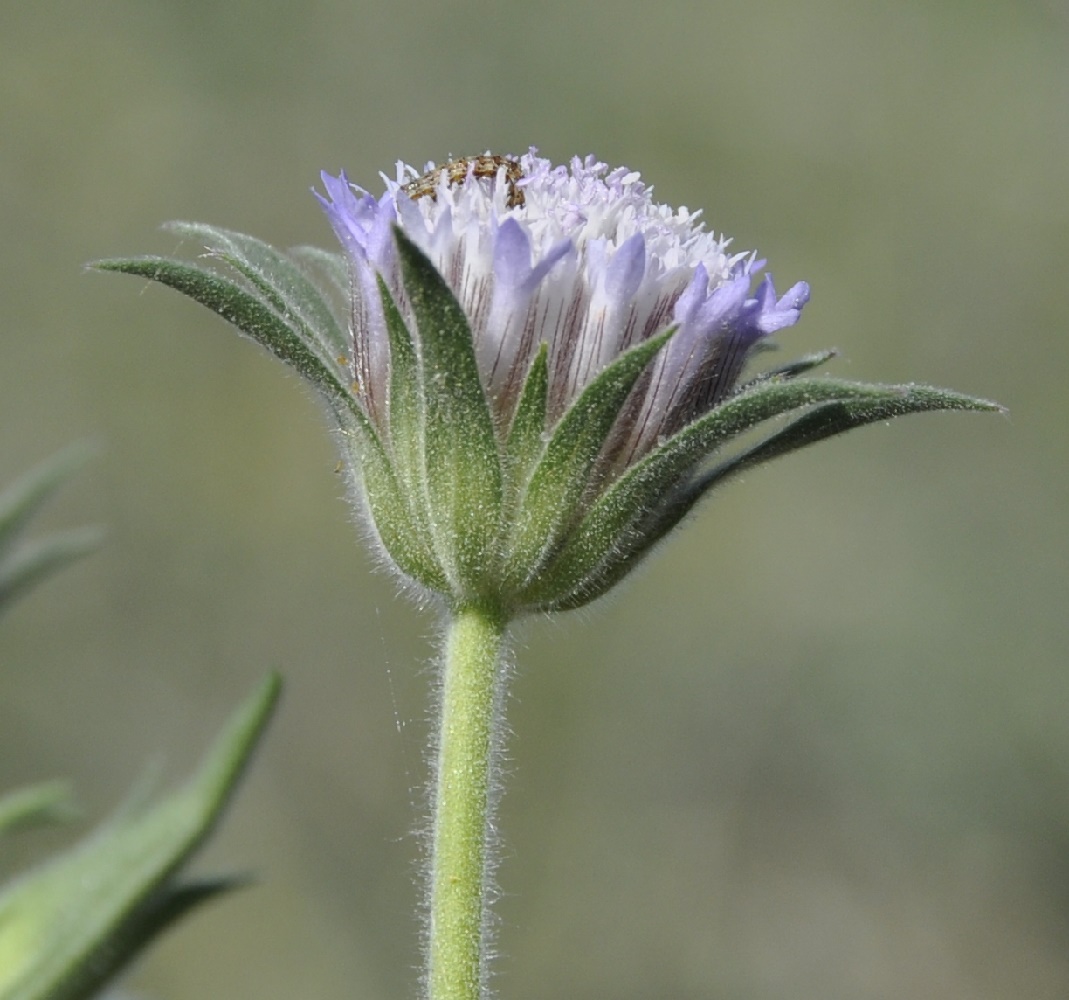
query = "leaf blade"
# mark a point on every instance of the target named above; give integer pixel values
(64, 921)
(286, 288)
(827, 419)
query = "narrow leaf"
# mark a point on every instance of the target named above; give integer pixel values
(792, 369)
(35, 560)
(393, 484)
(643, 487)
(826, 420)
(390, 511)
(333, 265)
(333, 271)
(48, 802)
(404, 408)
(252, 316)
(260, 322)
(22, 564)
(80, 913)
(20, 500)
(159, 913)
(838, 418)
(285, 287)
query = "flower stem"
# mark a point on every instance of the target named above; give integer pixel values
(459, 874)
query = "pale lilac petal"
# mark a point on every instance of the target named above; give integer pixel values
(542, 268)
(625, 270)
(512, 256)
(690, 301)
(777, 315)
(588, 264)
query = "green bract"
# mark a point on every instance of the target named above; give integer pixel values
(67, 927)
(523, 517)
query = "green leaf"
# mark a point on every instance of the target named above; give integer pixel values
(270, 317)
(460, 452)
(391, 484)
(160, 913)
(48, 802)
(69, 925)
(22, 499)
(285, 287)
(792, 369)
(333, 265)
(840, 417)
(22, 564)
(859, 405)
(35, 560)
(253, 317)
(613, 519)
(614, 524)
(560, 478)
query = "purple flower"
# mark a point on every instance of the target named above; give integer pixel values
(578, 257)
(538, 371)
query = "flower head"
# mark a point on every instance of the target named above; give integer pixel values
(537, 372)
(568, 278)
(587, 263)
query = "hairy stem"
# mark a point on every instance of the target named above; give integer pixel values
(471, 675)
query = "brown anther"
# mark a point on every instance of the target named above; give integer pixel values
(456, 171)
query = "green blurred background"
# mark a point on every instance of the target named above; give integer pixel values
(819, 748)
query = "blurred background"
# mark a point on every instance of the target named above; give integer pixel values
(818, 748)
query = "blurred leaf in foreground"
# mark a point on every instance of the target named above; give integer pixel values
(48, 802)
(24, 562)
(69, 925)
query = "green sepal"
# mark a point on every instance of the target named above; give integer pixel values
(253, 316)
(24, 563)
(562, 475)
(333, 265)
(852, 405)
(271, 317)
(406, 447)
(838, 418)
(390, 511)
(792, 369)
(527, 435)
(36, 805)
(403, 411)
(462, 467)
(614, 524)
(67, 926)
(285, 287)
